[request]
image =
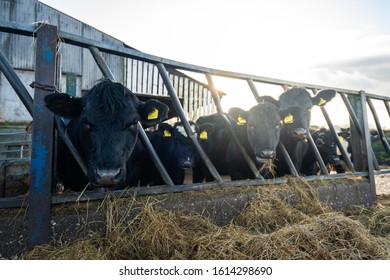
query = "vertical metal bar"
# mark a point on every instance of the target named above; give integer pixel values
(387, 106)
(317, 154)
(60, 125)
(103, 66)
(143, 137)
(367, 146)
(378, 126)
(337, 140)
(217, 103)
(356, 124)
(3, 168)
(253, 89)
(42, 139)
(288, 160)
(335, 137)
(181, 113)
(156, 160)
(16, 83)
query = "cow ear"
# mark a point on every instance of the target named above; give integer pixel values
(239, 115)
(205, 130)
(165, 129)
(153, 112)
(323, 97)
(64, 105)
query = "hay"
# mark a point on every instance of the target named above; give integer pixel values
(273, 226)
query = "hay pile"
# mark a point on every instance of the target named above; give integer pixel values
(271, 227)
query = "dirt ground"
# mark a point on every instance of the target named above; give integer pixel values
(13, 230)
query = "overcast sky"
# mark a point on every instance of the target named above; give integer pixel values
(336, 43)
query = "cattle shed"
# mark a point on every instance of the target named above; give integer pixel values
(78, 69)
(79, 54)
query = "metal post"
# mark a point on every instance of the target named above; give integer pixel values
(381, 134)
(42, 139)
(176, 103)
(367, 146)
(355, 127)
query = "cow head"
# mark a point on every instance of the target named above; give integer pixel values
(295, 108)
(326, 145)
(177, 147)
(103, 127)
(262, 124)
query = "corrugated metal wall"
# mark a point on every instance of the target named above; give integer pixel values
(20, 49)
(139, 76)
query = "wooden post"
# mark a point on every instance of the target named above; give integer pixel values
(42, 139)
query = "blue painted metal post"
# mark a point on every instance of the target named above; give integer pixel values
(42, 139)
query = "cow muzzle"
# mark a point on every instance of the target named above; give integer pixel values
(300, 133)
(265, 156)
(108, 177)
(186, 164)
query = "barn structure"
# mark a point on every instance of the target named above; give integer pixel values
(78, 71)
(84, 55)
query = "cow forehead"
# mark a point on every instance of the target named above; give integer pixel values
(296, 97)
(97, 110)
(264, 112)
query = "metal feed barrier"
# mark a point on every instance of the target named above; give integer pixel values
(46, 78)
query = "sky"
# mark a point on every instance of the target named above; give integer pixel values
(336, 43)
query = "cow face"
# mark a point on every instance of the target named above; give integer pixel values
(295, 107)
(326, 145)
(103, 127)
(263, 127)
(176, 148)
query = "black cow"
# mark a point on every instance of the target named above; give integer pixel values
(213, 136)
(295, 109)
(258, 130)
(326, 145)
(175, 150)
(103, 128)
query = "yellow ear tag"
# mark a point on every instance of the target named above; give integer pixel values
(288, 119)
(341, 138)
(241, 121)
(322, 102)
(153, 114)
(167, 133)
(203, 135)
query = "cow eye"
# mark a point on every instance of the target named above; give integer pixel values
(251, 126)
(278, 125)
(89, 125)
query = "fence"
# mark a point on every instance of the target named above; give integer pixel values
(40, 199)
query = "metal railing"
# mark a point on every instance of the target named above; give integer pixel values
(364, 160)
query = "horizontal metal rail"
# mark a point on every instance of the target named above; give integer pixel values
(124, 50)
(162, 63)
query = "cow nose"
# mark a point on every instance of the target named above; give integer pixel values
(107, 177)
(335, 159)
(265, 156)
(300, 133)
(187, 163)
(268, 154)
